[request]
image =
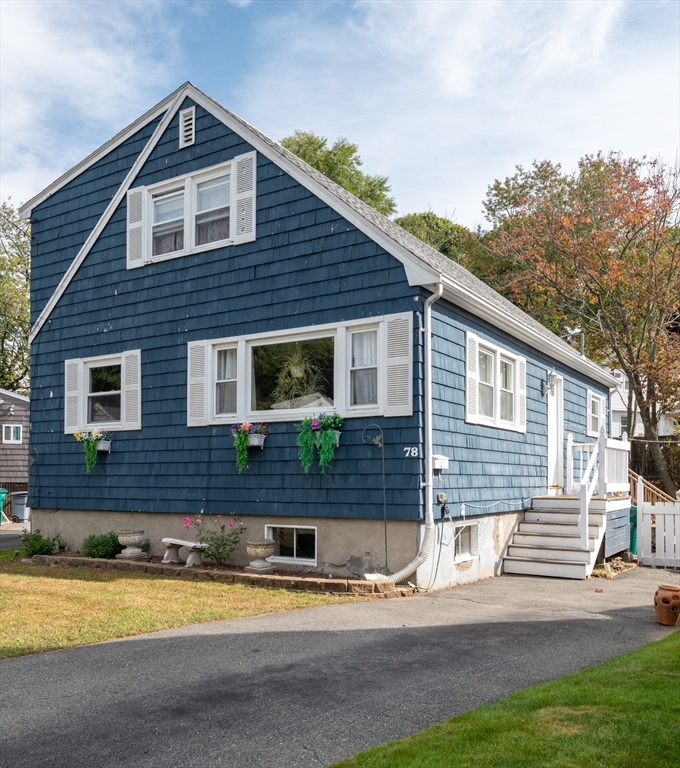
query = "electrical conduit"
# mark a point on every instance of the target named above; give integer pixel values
(428, 535)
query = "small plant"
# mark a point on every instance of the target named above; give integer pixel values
(319, 434)
(105, 545)
(145, 546)
(221, 540)
(240, 434)
(36, 544)
(59, 543)
(89, 441)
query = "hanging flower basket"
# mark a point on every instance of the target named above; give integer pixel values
(97, 441)
(247, 435)
(322, 435)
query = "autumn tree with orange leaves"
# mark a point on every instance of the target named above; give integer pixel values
(599, 248)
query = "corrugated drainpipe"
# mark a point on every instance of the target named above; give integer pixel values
(428, 536)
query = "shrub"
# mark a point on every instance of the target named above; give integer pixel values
(106, 545)
(220, 536)
(36, 544)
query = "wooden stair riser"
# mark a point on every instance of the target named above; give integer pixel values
(556, 528)
(569, 518)
(573, 502)
(545, 568)
(544, 539)
(549, 553)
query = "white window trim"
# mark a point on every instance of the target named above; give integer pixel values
(340, 332)
(474, 541)
(76, 393)
(12, 427)
(519, 386)
(591, 396)
(294, 560)
(188, 184)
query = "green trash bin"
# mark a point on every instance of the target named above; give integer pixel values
(3, 496)
(633, 530)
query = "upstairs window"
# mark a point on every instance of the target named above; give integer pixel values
(104, 393)
(189, 214)
(495, 386)
(12, 433)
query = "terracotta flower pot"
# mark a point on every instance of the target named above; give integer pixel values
(667, 604)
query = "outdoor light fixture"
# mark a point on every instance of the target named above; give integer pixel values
(549, 385)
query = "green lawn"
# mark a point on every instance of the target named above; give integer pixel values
(622, 714)
(48, 608)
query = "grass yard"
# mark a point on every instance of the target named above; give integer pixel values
(624, 713)
(47, 608)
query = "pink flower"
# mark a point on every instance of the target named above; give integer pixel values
(217, 517)
(187, 523)
(229, 524)
(315, 424)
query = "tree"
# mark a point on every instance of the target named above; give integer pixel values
(442, 234)
(601, 248)
(342, 164)
(15, 318)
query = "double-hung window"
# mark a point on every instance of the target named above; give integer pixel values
(361, 368)
(11, 433)
(595, 416)
(212, 208)
(103, 392)
(495, 385)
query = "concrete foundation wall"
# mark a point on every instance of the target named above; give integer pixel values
(494, 533)
(345, 548)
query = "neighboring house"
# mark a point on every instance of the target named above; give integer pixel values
(14, 422)
(173, 273)
(619, 412)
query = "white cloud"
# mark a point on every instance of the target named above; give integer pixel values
(71, 71)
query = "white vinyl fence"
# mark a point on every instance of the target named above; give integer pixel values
(658, 530)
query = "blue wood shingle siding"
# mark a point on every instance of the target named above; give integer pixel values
(617, 534)
(308, 266)
(490, 465)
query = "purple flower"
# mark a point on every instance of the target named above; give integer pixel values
(315, 424)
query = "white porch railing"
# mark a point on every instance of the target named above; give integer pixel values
(658, 525)
(601, 466)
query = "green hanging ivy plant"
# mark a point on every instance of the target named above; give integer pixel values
(240, 432)
(318, 434)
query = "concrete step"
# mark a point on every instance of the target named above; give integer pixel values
(561, 516)
(559, 541)
(566, 529)
(554, 568)
(549, 553)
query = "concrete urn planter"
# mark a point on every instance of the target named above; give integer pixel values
(131, 541)
(667, 604)
(260, 549)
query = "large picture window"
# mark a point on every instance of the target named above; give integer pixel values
(495, 385)
(353, 368)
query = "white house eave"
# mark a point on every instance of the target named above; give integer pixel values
(479, 307)
(7, 393)
(155, 112)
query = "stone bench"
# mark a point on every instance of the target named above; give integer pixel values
(172, 547)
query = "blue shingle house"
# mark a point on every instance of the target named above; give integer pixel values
(191, 274)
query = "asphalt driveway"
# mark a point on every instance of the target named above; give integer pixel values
(309, 687)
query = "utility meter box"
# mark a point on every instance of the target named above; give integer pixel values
(439, 462)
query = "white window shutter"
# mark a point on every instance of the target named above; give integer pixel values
(243, 210)
(522, 394)
(197, 384)
(471, 377)
(187, 127)
(135, 227)
(72, 370)
(399, 365)
(131, 416)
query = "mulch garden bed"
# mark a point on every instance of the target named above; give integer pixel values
(296, 582)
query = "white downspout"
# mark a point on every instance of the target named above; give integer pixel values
(428, 536)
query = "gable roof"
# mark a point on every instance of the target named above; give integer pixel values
(424, 266)
(7, 393)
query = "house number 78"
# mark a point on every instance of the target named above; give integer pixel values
(411, 452)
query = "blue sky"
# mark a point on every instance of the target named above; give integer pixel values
(441, 96)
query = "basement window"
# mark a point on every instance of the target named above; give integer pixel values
(466, 542)
(294, 544)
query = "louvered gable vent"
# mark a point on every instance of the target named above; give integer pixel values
(187, 127)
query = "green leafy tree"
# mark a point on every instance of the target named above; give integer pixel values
(442, 234)
(600, 248)
(342, 164)
(15, 319)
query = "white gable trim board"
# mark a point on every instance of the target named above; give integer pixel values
(418, 271)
